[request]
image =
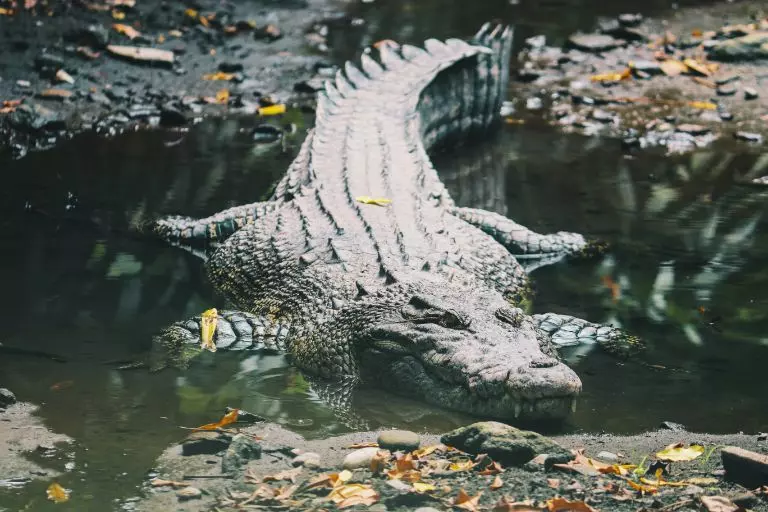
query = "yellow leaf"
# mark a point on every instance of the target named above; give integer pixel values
(613, 77)
(642, 488)
(5, 12)
(344, 476)
(563, 505)
(218, 76)
(343, 492)
(423, 487)
(126, 30)
(208, 321)
(703, 105)
(57, 493)
(118, 15)
(191, 13)
(466, 502)
(660, 482)
(617, 469)
(222, 96)
(423, 452)
(679, 453)
(272, 110)
(672, 67)
(465, 465)
(378, 201)
(227, 419)
(697, 67)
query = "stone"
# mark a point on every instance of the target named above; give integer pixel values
(593, 42)
(503, 443)
(534, 103)
(266, 133)
(745, 500)
(750, 93)
(726, 90)
(47, 60)
(752, 46)
(36, 117)
(242, 449)
(745, 467)
(718, 503)
(727, 79)
(230, 67)
(762, 436)
(205, 443)
(171, 115)
(189, 493)
(142, 55)
(630, 19)
(94, 35)
(507, 109)
(750, 137)
(602, 115)
(724, 116)
(6, 397)
(307, 459)
(359, 458)
(399, 440)
(310, 86)
(426, 509)
(651, 67)
(692, 129)
(608, 456)
(536, 42)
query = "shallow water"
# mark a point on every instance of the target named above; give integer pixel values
(685, 272)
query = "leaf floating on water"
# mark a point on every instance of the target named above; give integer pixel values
(57, 493)
(219, 75)
(563, 505)
(680, 453)
(208, 321)
(272, 110)
(126, 30)
(227, 419)
(378, 201)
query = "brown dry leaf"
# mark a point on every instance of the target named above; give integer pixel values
(379, 462)
(703, 105)
(427, 450)
(288, 474)
(644, 489)
(678, 452)
(359, 499)
(494, 468)
(227, 419)
(497, 483)
(464, 465)
(322, 481)
(698, 67)
(618, 469)
(126, 30)
(159, 482)
(563, 505)
(283, 493)
(343, 492)
(672, 67)
(465, 502)
(719, 504)
(6, 12)
(357, 446)
(142, 54)
(57, 493)
(583, 465)
(405, 462)
(208, 320)
(704, 82)
(613, 76)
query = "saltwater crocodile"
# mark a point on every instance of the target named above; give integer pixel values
(362, 267)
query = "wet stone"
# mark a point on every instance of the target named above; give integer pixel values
(725, 116)
(242, 449)
(359, 458)
(647, 66)
(171, 115)
(692, 129)
(503, 443)
(6, 397)
(630, 19)
(593, 42)
(46, 60)
(752, 46)
(205, 443)
(750, 93)
(35, 117)
(749, 137)
(230, 67)
(536, 42)
(727, 79)
(507, 109)
(310, 86)
(399, 440)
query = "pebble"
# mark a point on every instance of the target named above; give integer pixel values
(692, 129)
(593, 42)
(762, 436)
(359, 458)
(602, 115)
(727, 79)
(189, 493)
(395, 440)
(6, 397)
(230, 67)
(647, 66)
(507, 109)
(426, 509)
(536, 42)
(265, 133)
(630, 19)
(307, 459)
(534, 103)
(745, 467)
(608, 456)
(726, 90)
(726, 116)
(750, 93)
(751, 137)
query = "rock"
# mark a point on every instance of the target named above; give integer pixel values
(242, 449)
(35, 117)
(359, 458)
(745, 467)
(534, 103)
(230, 67)
(94, 35)
(503, 443)
(602, 115)
(762, 436)
(205, 443)
(750, 93)
(310, 86)
(426, 509)
(536, 42)
(171, 115)
(6, 397)
(718, 504)
(507, 109)
(593, 42)
(726, 90)
(749, 137)
(692, 129)
(308, 460)
(630, 19)
(724, 116)
(270, 32)
(612, 457)
(399, 440)
(745, 500)
(51, 61)
(749, 47)
(651, 67)
(189, 493)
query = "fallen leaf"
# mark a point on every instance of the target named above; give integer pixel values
(283, 493)
(553, 482)
(497, 483)
(222, 96)
(672, 67)
(465, 502)
(613, 77)
(563, 505)
(227, 419)
(644, 489)
(219, 75)
(126, 30)
(702, 480)
(272, 110)
(191, 13)
(504, 505)
(703, 105)
(423, 487)
(159, 482)
(704, 82)
(618, 469)
(175, 33)
(63, 76)
(142, 54)
(379, 462)
(464, 465)
(57, 493)
(696, 66)
(208, 321)
(344, 476)
(288, 474)
(719, 504)
(660, 482)
(427, 450)
(357, 446)
(343, 492)
(321, 481)
(118, 15)
(679, 453)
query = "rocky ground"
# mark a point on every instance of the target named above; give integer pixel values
(680, 82)
(485, 466)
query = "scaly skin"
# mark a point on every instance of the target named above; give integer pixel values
(413, 296)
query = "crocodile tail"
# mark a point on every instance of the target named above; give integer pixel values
(464, 100)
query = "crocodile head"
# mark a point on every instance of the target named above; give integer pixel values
(468, 351)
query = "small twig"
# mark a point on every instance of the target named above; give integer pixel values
(675, 506)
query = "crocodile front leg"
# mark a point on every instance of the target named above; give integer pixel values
(521, 241)
(201, 236)
(179, 343)
(568, 330)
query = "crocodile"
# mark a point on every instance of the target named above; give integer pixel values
(361, 267)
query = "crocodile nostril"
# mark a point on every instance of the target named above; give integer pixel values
(543, 362)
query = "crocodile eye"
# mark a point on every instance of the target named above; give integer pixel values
(512, 316)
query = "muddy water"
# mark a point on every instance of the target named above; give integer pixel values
(685, 272)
